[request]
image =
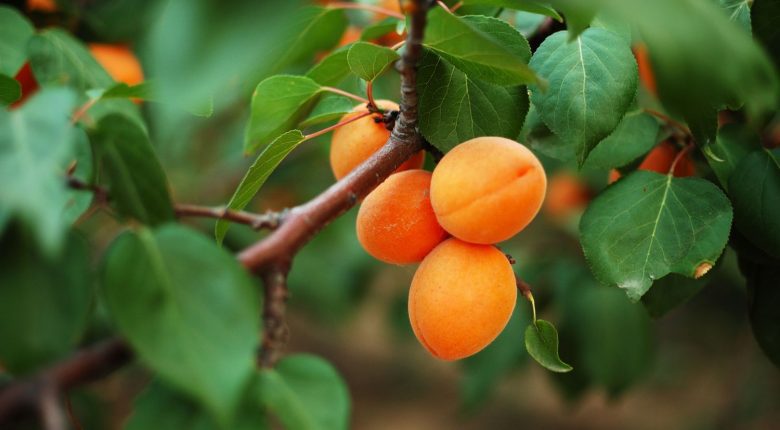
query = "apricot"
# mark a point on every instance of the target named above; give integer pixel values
(660, 160)
(396, 223)
(119, 61)
(42, 5)
(566, 196)
(353, 143)
(487, 189)
(351, 35)
(646, 75)
(461, 298)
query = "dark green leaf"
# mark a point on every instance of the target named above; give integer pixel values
(330, 108)
(57, 58)
(539, 137)
(754, 188)
(764, 16)
(10, 90)
(15, 31)
(738, 11)
(541, 341)
(332, 69)
(578, 13)
(481, 54)
(260, 170)
(44, 300)
(733, 143)
(533, 6)
(764, 301)
(306, 392)
(592, 82)
(670, 292)
(648, 225)
(368, 61)
(36, 146)
(188, 309)
(635, 135)
(278, 104)
(137, 183)
(80, 200)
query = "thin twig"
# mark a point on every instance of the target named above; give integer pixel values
(456, 6)
(366, 7)
(345, 94)
(669, 120)
(82, 110)
(444, 6)
(679, 157)
(335, 126)
(269, 220)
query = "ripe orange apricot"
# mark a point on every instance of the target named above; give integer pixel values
(487, 189)
(660, 160)
(646, 75)
(119, 61)
(461, 298)
(396, 223)
(566, 196)
(42, 5)
(353, 143)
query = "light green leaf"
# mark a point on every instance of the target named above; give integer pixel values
(368, 61)
(330, 108)
(592, 82)
(648, 225)
(307, 393)
(454, 108)
(476, 52)
(538, 7)
(278, 104)
(10, 90)
(313, 29)
(541, 341)
(46, 299)
(261, 169)
(635, 135)
(332, 70)
(15, 31)
(733, 143)
(527, 23)
(148, 91)
(189, 311)
(754, 188)
(137, 184)
(36, 146)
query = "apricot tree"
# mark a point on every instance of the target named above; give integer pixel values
(659, 135)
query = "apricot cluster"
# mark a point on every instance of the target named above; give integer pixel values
(482, 192)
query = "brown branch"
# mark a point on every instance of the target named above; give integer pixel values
(274, 309)
(269, 220)
(50, 408)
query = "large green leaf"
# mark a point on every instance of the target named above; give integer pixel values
(163, 408)
(278, 104)
(189, 311)
(765, 15)
(57, 58)
(578, 13)
(313, 29)
(733, 143)
(368, 60)
(137, 183)
(533, 6)
(635, 135)
(257, 174)
(10, 90)
(36, 146)
(44, 300)
(332, 69)
(149, 91)
(538, 136)
(478, 51)
(648, 225)
(592, 81)
(306, 393)
(15, 31)
(670, 292)
(541, 341)
(763, 304)
(754, 188)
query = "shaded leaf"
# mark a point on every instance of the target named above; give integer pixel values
(10, 90)
(379, 29)
(313, 29)
(331, 70)
(541, 341)
(330, 108)
(764, 17)
(733, 143)
(635, 135)
(538, 7)
(764, 300)
(368, 61)
(670, 292)
(754, 188)
(15, 31)
(148, 91)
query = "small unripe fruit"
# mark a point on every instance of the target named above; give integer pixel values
(487, 189)
(396, 223)
(353, 143)
(461, 298)
(119, 61)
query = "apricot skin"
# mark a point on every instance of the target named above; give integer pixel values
(353, 143)
(660, 160)
(487, 189)
(461, 298)
(119, 61)
(396, 223)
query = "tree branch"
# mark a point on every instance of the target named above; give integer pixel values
(274, 309)
(269, 220)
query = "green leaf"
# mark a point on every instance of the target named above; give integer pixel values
(578, 13)
(648, 225)
(592, 82)
(737, 11)
(764, 300)
(15, 31)
(36, 146)
(527, 23)
(189, 311)
(635, 135)
(314, 29)
(45, 299)
(80, 200)
(733, 143)
(379, 29)
(481, 54)
(306, 392)
(278, 104)
(10, 90)
(368, 60)
(257, 174)
(454, 108)
(149, 91)
(538, 7)
(162, 407)
(754, 188)
(330, 108)
(332, 70)
(137, 183)
(764, 17)
(57, 58)
(538, 136)
(541, 341)
(670, 292)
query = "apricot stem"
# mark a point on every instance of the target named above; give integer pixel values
(372, 107)
(398, 45)
(669, 120)
(344, 93)
(679, 157)
(366, 7)
(456, 6)
(525, 291)
(443, 6)
(82, 110)
(335, 126)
